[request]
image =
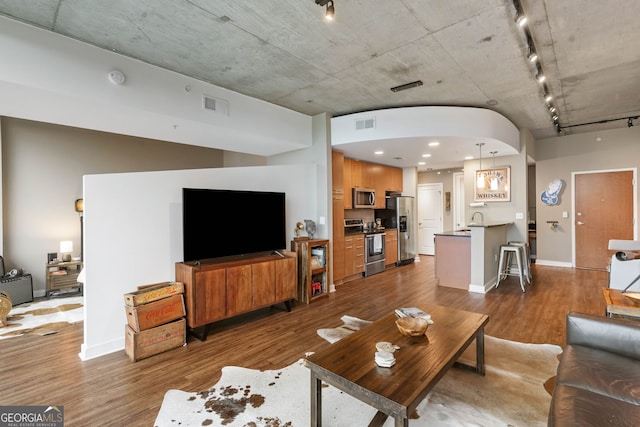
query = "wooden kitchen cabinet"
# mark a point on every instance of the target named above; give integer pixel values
(337, 196)
(362, 175)
(347, 183)
(357, 174)
(353, 254)
(338, 240)
(379, 172)
(391, 246)
(394, 179)
(216, 290)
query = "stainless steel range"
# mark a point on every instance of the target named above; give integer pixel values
(374, 248)
(374, 253)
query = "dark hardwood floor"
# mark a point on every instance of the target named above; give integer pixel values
(111, 390)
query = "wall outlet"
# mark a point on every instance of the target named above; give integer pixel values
(565, 214)
(519, 215)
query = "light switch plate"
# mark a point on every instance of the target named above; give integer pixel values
(519, 215)
(565, 214)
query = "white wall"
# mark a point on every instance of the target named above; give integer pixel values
(319, 154)
(54, 79)
(133, 233)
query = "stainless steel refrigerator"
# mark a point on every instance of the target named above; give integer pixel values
(405, 208)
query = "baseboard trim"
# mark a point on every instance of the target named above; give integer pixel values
(483, 289)
(554, 263)
(88, 353)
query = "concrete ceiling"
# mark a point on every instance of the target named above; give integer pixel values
(466, 52)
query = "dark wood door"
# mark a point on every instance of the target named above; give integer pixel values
(604, 211)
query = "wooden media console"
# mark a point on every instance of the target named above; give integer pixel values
(219, 289)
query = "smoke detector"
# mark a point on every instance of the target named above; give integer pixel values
(117, 77)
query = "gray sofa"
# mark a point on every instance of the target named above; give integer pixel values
(598, 382)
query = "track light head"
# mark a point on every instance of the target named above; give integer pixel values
(330, 12)
(630, 122)
(548, 97)
(540, 77)
(521, 20)
(328, 15)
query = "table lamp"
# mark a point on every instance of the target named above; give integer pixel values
(66, 247)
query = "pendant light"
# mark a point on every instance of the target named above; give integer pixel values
(480, 176)
(493, 182)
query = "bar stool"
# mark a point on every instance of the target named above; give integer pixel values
(526, 253)
(504, 265)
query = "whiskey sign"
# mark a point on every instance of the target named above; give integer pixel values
(493, 185)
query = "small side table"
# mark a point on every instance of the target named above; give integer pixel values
(63, 275)
(620, 306)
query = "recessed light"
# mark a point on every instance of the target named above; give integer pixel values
(422, 163)
(434, 144)
(426, 155)
(468, 158)
(378, 153)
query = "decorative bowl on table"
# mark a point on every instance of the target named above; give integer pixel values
(412, 326)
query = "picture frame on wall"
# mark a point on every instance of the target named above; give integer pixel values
(493, 185)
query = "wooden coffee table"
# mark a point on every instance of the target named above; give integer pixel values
(620, 306)
(420, 363)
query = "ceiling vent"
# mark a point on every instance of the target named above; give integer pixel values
(214, 104)
(369, 123)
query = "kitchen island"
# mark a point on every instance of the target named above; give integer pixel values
(453, 259)
(476, 266)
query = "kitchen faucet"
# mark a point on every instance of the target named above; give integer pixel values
(481, 217)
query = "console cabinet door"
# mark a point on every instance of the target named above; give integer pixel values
(239, 290)
(264, 283)
(286, 287)
(210, 296)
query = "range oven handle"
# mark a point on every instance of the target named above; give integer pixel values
(372, 198)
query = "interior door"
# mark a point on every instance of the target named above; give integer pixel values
(429, 216)
(603, 211)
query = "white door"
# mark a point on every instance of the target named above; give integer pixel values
(429, 216)
(458, 201)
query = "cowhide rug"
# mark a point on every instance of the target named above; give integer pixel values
(511, 394)
(349, 326)
(43, 317)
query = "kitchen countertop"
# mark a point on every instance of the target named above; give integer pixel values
(457, 233)
(466, 232)
(365, 232)
(490, 224)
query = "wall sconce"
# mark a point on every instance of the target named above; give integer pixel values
(66, 247)
(79, 205)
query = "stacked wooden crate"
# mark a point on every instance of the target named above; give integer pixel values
(155, 319)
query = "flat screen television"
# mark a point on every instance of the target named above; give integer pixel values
(224, 223)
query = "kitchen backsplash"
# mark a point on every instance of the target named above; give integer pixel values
(366, 214)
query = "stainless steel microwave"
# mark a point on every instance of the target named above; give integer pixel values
(364, 198)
